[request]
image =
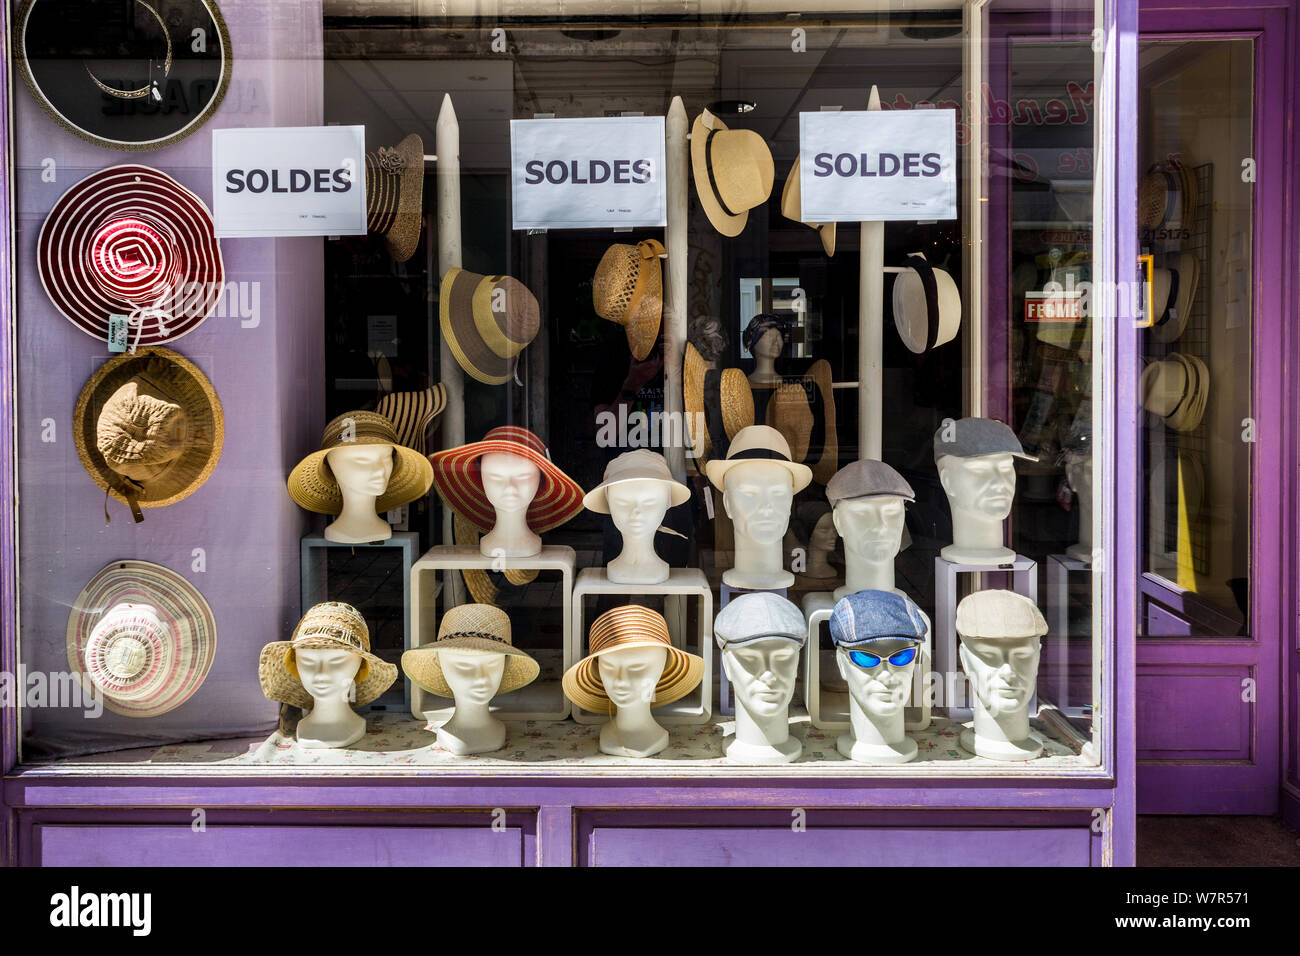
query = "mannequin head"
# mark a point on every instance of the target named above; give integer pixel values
(872, 528)
(631, 674)
(1004, 671)
(474, 678)
(769, 344)
(638, 505)
(879, 675)
(757, 496)
(509, 481)
(763, 673)
(361, 470)
(824, 534)
(981, 486)
(326, 672)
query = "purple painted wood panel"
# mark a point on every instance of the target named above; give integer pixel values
(1191, 712)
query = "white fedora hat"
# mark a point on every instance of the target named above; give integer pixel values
(927, 305)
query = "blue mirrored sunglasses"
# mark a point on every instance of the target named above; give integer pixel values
(898, 658)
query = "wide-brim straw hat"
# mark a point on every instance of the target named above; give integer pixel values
(131, 241)
(792, 208)
(331, 625)
(313, 486)
(628, 289)
(201, 426)
(627, 627)
(758, 443)
(927, 305)
(413, 413)
(143, 636)
(486, 586)
(1173, 311)
(473, 629)
(486, 322)
(458, 477)
(737, 400)
(640, 464)
(828, 462)
(733, 172)
(395, 195)
(694, 369)
(788, 413)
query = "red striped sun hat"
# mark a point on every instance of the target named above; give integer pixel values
(457, 476)
(132, 241)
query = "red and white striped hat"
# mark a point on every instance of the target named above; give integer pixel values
(132, 241)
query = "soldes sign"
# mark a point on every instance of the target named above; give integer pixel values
(297, 181)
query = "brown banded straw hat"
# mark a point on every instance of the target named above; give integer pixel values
(619, 629)
(475, 629)
(395, 195)
(628, 289)
(792, 208)
(312, 484)
(486, 322)
(758, 443)
(148, 428)
(412, 414)
(733, 172)
(332, 625)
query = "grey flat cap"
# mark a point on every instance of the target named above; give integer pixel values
(865, 479)
(972, 437)
(759, 616)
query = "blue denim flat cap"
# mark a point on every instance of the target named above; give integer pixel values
(868, 616)
(972, 437)
(867, 478)
(759, 616)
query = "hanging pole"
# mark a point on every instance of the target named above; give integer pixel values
(447, 146)
(871, 310)
(677, 181)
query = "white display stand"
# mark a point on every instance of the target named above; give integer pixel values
(727, 707)
(1024, 580)
(697, 706)
(829, 710)
(1057, 643)
(541, 700)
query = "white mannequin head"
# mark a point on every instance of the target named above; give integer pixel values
(630, 675)
(824, 534)
(1078, 472)
(637, 507)
(510, 483)
(327, 674)
(882, 690)
(982, 486)
(474, 678)
(872, 527)
(757, 497)
(362, 473)
(1003, 672)
(763, 674)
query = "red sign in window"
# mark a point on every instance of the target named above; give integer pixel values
(1053, 306)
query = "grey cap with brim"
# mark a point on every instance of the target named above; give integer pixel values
(975, 437)
(759, 616)
(867, 478)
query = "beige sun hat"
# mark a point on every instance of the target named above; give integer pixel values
(628, 289)
(1190, 409)
(395, 195)
(927, 305)
(474, 629)
(792, 208)
(733, 172)
(788, 413)
(638, 464)
(758, 443)
(312, 484)
(737, 400)
(999, 615)
(694, 368)
(328, 625)
(622, 628)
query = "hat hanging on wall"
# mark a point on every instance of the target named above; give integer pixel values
(1173, 296)
(125, 74)
(792, 208)
(788, 413)
(395, 195)
(927, 305)
(1162, 199)
(733, 172)
(628, 289)
(486, 322)
(413, 413)
(1177, 389)
(819, 377)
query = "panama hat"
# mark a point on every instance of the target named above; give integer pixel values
(123, 75)
(792, 208)
(828, 462)
(1190, 407)
(628, 289)
(143, 636)
(331, 625)
(457, 476)
(474, 629)
(312, 484)
(486, 322)
(148, 428)
(733, 172)
(626, 627)
(639, 464)
(927, 305)
(412, 414)
(758, 443)
(395, 195)
(1174, 293)
(131, 241)
(788, 413)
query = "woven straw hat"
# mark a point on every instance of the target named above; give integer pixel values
(629, 289)
(640, 463)
(412, 414)
(457, 475)
(788, 413)
(395, 195)
(694, 368)
(148, 428)
(143, 636)
(819, 375)
(487, 321)
(758, 443)
(927, 305)
(737, 400)
(999, 615)
(476, 629)
(1164, 383)
(328, 625)
(312, 484)
(792, 208)
(733, 172)
(619, 629)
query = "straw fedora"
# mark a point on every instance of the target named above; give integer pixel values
(629, 289)
(148, 428)
(1163, 384)
(457, 476)
(1174, 293)
(828, 462)
(733, 172)
(640, 464)
(497, 588)
(312, 484)
(622, 628)
(792, 208)
(788, 413)
(758, 443)
(124, 75)
(141, 635)
(927, 305)
(131, 241)
(474, 629)
(1161, 200)
(328, 625)
(395, 195)
(487, 321)
(412, 414)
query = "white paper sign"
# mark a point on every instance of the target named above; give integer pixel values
(289, 181)
(869, 165)
(588, 173)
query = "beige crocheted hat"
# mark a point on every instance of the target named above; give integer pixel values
(328, 625)
(628, 288)
(475, 629)
(312, 484)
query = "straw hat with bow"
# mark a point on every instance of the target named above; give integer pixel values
(395, 195)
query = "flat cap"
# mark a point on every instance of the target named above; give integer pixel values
(972, 437)
(758, 616)
(866, 479)
(999, 615)
(870, 616)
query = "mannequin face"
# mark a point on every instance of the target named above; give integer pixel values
(631, 675)
(757, 496)
(362, 469)
(1003, 672)
(880, 690)
(824, 535)
(473, 678)
(763, 673)
(326, 671)
(983, 485)
(872, 528)
(638, 506)
(769, 344)
(509, 481)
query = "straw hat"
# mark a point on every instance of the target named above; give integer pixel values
(733, 172)
(788, 413)
(312, 484)
(395, 195)
(622, 628)
(819, 375)
(457, 475)
(1190, 409)
(694, 369)
(475, 629)
(148, 428)
(412, 414)
(143, 636)
(737, 400)
(1163, 385)
(629, 289)
(1174, 293)
(329, 625)
(758, 443)
(486, 322)
(927, 305)
(792, 208)
(639, 464)
(1161, 199)
(131, 241)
